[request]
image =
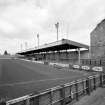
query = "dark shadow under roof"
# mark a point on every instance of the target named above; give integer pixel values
(63, 44)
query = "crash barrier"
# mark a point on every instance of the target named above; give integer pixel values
(87, 68)
(46, 63)
(93, 62)
(63, 94)
(59, 65)
(70, 66)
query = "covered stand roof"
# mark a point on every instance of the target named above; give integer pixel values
(63, 44)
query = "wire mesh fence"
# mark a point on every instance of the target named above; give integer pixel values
(63, 94)
(93, 62)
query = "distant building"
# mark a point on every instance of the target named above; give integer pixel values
(98, 41)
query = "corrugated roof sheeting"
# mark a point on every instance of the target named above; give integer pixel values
(63, 44)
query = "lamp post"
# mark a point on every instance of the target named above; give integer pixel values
(38, 39)
(25, 45)
(79, 56)
(21, 47)
(57, 26)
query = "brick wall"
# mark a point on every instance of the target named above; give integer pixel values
(98, 41)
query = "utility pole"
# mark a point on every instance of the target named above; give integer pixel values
(57, 26)
(38, 39)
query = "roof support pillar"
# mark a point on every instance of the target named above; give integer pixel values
(79, 56)
(59, 55)
(66, 54)
(49, 55)
(53, 55)
(46, 56)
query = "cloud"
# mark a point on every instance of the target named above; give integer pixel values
(22, 19)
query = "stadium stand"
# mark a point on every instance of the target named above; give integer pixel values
(64, 50)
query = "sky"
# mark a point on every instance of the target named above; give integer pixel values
(22, 20)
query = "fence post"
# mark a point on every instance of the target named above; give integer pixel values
(63, 95)
(51, 95)
(71, 94)
(83, 86)
(87, 86)
(100, 63)
(28, 101)
(90, 61)
(37, 100)
(94, 80)
(101, 80)
(76, 87)
(91, 85)
(3, 102)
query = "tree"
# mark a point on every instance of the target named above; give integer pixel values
(5, 52)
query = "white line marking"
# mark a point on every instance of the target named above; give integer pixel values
(41, 62)
(33, 81)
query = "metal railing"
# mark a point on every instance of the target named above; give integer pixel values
(93, 62)
(63, 94)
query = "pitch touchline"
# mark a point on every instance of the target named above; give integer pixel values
(33, 81)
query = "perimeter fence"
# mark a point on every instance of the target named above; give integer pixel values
(63, 94)
(93, 62)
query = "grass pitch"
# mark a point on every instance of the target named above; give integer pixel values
(19, 78)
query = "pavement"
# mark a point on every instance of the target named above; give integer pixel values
(97, 97)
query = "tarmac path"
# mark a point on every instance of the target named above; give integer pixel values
(96, 98)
